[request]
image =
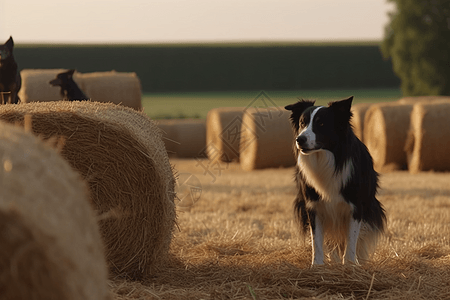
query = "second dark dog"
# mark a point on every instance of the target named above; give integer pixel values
(69, 88)
(10, 80)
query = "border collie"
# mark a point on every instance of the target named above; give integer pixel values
(336, 183)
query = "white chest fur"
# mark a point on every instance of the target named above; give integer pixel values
(320, 172)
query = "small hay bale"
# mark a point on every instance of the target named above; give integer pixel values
(428, 143)
(50, 242)
(116, 87)
(359, 111)
(36, 87)
(426, 99)
(185, 138)
(119, 152)
(385, 132)
(266, 139)
(223, 126)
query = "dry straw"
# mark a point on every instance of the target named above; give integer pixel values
(185, 138)
(120, 154)
(266, 139)
(223, 127)
(50, 241)
(428, 142)
(426, 99)
(359, 111)
(385, 132)
(116, 87)
(36, 87)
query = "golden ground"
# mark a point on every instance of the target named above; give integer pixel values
(239, 241)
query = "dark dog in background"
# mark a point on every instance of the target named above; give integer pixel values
(10, 80)
(69, 88)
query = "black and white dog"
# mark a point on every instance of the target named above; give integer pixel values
(336, 182)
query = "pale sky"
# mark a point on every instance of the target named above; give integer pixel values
(154, 21)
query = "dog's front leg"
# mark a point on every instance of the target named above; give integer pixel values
(352, 240)
(317, 242)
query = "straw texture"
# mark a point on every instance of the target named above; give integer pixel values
(266, 139)
(51, 246)
(120, 154)
(184, 138)
(426, 99)
(223, 126)
(359, 111)
(386, 128)
(116, 87)
(428, 144)
(36, 87)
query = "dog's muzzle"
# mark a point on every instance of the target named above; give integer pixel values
(305, 145)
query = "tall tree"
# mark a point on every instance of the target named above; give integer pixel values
(417, 39)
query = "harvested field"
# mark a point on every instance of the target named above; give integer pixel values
(238, 241)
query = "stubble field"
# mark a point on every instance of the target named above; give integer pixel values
(238, 240)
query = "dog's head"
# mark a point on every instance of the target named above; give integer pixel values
(6, 49)
(319, 127)
(63, 78)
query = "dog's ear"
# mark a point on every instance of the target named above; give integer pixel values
(297, 110)
(342, 105)
(300, 106)
(10, 43)
(343, 109)
(70, 72)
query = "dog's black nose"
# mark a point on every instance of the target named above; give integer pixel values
(301, 140)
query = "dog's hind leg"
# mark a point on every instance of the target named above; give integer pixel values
(317, 242)
(352, 240)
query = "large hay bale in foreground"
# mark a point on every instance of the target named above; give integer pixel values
(50, 243)
(266, 139)
(36, 86)
(120, 154)
(385, 133)
(223, 126)
(428, 145)
(359, 111)
(185, 138)
(116, 87)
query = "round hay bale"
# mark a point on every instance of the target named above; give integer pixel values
(119, 152)
(385, 132)
(223, 126)
(359, 111)
(51, 247)
(426, 99)
(169, 136)
(185, 138)
(116, 87)
(428, 143)
(36, 87)
(266, 139)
